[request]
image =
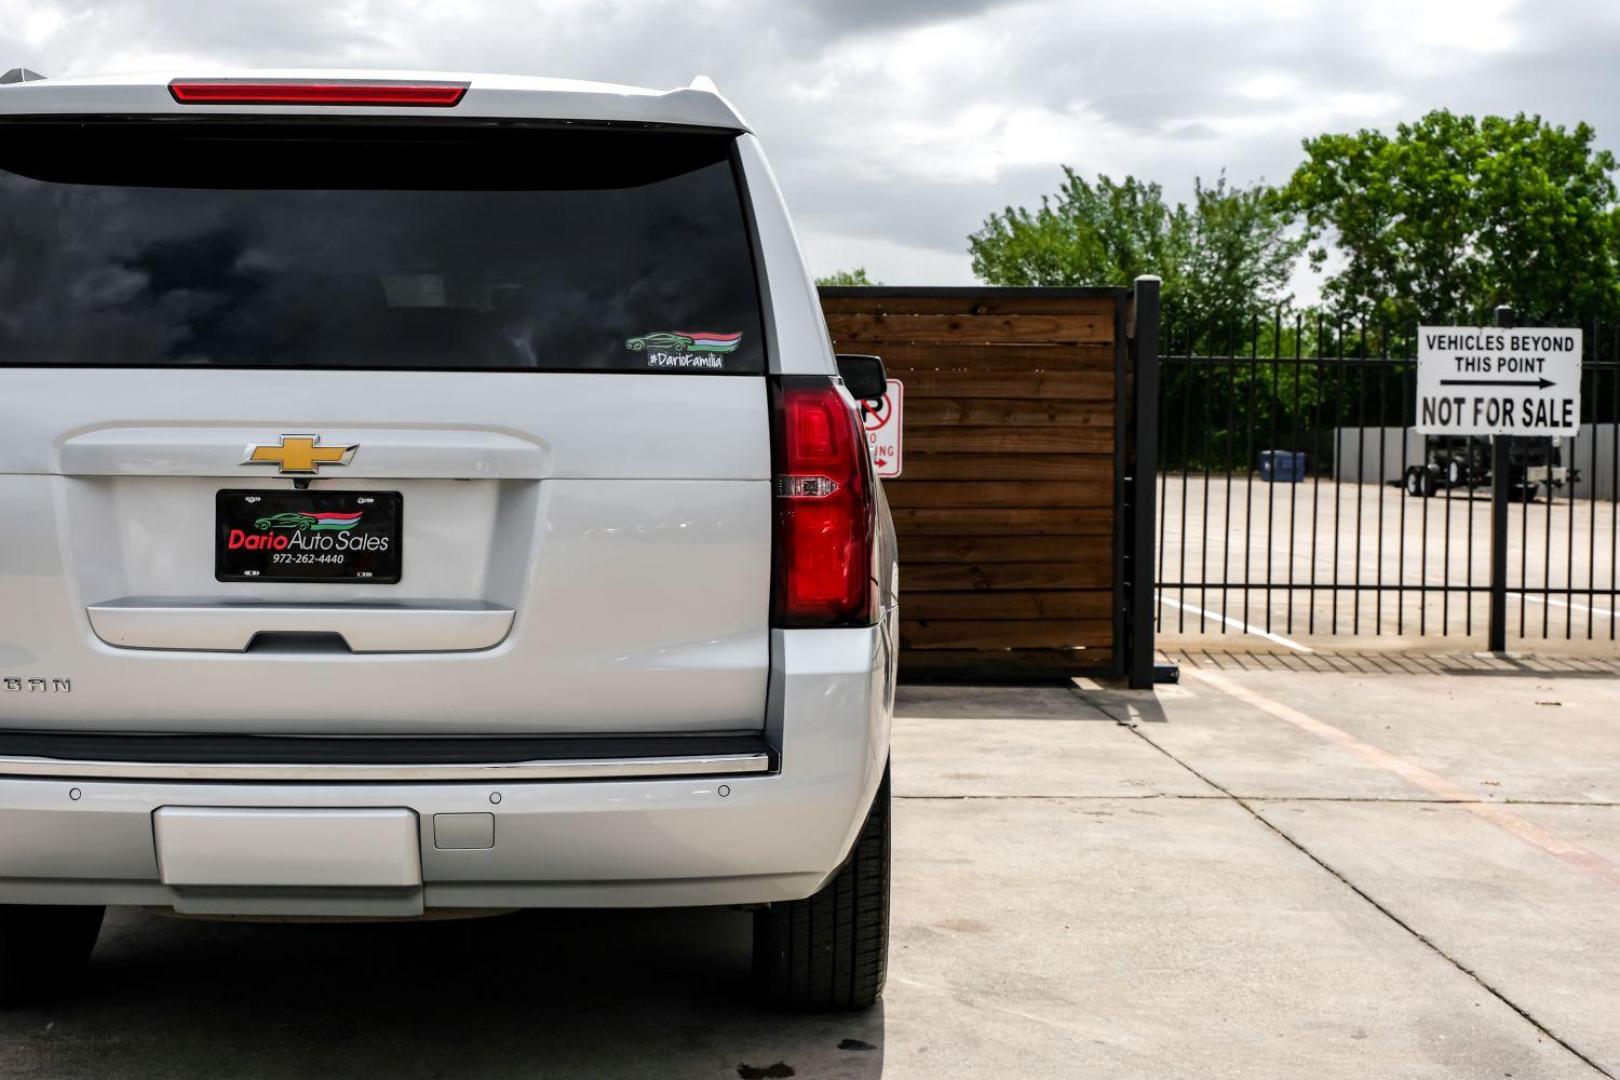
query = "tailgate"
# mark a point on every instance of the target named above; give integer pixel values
(296, 438)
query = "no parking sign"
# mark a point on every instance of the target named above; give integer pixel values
(884, 431)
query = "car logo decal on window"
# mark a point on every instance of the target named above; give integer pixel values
(698, 341)
(300, 455)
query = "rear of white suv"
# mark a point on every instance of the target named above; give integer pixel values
(428, 493)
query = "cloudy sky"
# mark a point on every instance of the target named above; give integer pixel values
(895, 126)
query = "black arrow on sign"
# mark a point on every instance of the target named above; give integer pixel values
(1542, 382)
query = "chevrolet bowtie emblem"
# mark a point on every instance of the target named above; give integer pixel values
(300, 454)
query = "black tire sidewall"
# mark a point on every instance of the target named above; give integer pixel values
(829, 951)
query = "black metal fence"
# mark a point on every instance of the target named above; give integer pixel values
(1295, 500)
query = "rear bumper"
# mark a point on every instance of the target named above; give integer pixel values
(722, 838)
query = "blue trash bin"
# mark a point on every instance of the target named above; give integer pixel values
(1282, 466)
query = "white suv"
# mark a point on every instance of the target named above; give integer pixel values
(425, 493)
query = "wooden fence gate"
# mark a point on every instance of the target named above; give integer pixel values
(1013, 508)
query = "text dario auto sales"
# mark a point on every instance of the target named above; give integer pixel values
(301, 541)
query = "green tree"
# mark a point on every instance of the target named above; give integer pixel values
(1229, 253)
(856, 276)
(1242, 252)
(1452, 215)
(1105, 233)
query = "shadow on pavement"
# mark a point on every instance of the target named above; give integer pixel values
(566, 993)
(1118, 702)
(1049, 700)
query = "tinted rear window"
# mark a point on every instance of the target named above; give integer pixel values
(201, 243)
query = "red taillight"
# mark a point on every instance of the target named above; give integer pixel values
(825, 508)
(440, 95)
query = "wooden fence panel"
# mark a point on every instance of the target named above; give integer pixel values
(1007, 508)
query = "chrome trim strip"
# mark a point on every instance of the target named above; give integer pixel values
(454, 626)
(596, 769)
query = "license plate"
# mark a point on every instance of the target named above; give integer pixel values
(341, 536)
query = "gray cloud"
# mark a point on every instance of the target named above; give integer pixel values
(854, 16)
(897, 125)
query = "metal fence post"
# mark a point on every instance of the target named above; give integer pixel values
(1501, 495)
(1144, 482)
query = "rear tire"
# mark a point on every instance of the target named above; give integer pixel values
(44, 949)
(830, 951)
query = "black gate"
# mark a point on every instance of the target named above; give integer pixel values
(1295, 500)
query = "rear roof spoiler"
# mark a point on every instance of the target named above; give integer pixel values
(498, 97)
(20, 75)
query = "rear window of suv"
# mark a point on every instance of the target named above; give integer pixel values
(332, 245)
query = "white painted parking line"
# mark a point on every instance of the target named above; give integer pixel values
(1241, 625)
(1532, 597)
(1604, 612)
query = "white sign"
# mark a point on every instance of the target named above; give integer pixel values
(1482, 380)
(882, 419)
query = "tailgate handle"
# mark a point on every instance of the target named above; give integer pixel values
(291, 641)
(200, 625)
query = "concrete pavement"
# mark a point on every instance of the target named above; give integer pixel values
(1259, 873)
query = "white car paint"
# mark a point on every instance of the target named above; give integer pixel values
(622, 589)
